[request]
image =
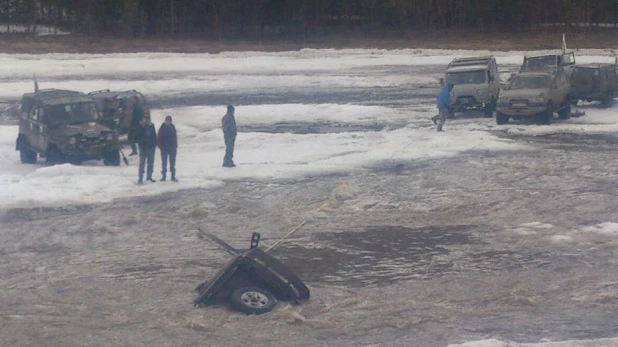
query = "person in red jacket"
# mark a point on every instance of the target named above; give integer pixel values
(167, 141)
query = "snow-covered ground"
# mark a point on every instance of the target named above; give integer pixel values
(259, 155)
(356, 138)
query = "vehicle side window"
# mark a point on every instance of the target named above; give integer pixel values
(42, 115)
(34, 115)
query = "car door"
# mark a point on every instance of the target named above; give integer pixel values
(564, 88)
(34, 128)
(495, 83)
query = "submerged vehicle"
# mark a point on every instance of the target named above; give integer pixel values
(535, 94)
(476, 84)
(62, 127)
(116, 108)
(252, 281)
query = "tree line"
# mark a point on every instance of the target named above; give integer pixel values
(257, 19)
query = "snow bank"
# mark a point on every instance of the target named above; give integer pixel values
(259, 156)
(308, 60)
(571, 343)
(608, 229)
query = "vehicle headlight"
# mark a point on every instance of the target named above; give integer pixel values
(109, 137)
(72, 141)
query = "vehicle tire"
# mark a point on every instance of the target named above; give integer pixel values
(253, 300)
(547, 117)
(55, 157)
(565, 112)
(27, 156)
(501, 119)
(489, 109)
(608, 100)
(111, 158)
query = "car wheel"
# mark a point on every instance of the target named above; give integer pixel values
(608, 101)
(253, 300)
(547, 117)
(501, 119)
(565, 113)
(111, 158)
(489, 109)
(55, 157)
(27, 156)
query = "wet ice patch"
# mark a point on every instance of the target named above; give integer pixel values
(202, 118)
(607, 229)
(570, 343)
(532, 228)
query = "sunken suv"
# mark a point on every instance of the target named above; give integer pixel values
(594, 82)
(476, 84)
(61, 126)
(537, 95)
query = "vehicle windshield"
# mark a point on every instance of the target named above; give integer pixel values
(531, 82)
(541, 62)
(77, 113)
(467, 77)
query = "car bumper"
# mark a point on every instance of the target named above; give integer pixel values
(528, 111)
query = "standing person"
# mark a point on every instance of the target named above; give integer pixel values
(443, 99)
(136, 118)
(167, 140)
(147, 140)
(228, 124)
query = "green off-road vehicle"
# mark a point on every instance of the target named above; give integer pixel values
(61, 126)
(476, 84)
(116, 108)
(535, 94)
(594, 82)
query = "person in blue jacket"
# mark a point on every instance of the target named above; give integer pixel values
(443, 99)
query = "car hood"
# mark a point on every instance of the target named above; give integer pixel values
(86, 129)
(522, 93)
(469, 88)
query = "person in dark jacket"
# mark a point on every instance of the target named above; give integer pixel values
(147, 141)
(167, 141)
(136, 118)
(443, 100)
(228, 124)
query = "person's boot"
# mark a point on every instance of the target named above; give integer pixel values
(140, 181)
(440, 127)
(174, 178)
(150, 179)
(227, 164)
(163, 178)
(434, 119)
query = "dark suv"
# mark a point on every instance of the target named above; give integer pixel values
(594, 82)
(61, 126)
(116, 108)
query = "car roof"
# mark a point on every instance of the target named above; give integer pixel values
(64, 100)
(44, 94)
(467, 68)
(113, 93)
(535, 74)
(595, 65)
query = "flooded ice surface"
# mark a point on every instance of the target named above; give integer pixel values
(479, 236)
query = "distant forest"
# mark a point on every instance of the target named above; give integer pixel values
(259, 19)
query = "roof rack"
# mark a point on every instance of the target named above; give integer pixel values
(486, 60)
(99, 91)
